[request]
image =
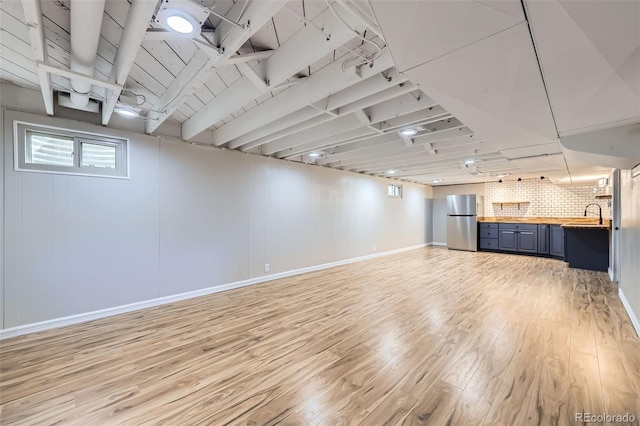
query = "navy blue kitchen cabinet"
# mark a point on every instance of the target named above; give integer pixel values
(543, 239)
(520, 238)
(556, 241)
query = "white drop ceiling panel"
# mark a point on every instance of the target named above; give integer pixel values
(432, 29)
(494, 87)
(590, 57)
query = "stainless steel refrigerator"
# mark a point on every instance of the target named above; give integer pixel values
(462, 221)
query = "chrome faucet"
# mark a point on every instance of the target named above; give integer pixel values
(599, 210)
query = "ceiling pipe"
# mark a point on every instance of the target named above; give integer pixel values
(86, 21)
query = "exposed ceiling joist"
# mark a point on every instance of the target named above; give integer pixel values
(255, 137)
(354, 94)
(313, 138)
(327, 81)
(247, 57)
(355, 149)
(328, 34)
(367, 20)
(333, 127)
(328, 142)
(229, 38)
(379, 97)
(400, 106)
(159, 34)
(35, 26)
(138, 18)
(304, 125)
(417, 158)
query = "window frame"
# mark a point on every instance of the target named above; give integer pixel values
(21, 129)
(396, 194)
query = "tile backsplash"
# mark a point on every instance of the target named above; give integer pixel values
(544, 199)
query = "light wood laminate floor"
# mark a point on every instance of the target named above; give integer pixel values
(429, 336)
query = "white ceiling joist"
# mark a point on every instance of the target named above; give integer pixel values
(361, 90)
(381, 146)
(358, 14)
(350, 96)
(333, 127)
(160, 34)
(229, 38)
(416, 155)
(382, 96)
(441, 128)
(327, 81)
(291, 120)
(35, 26)
(304, 48)
(344, 124)
(312, 122)
(335, 141)
(419, 160)
(355, 149)
(247, 57)
(72, 74)
(439, 166)
(328, 142)
(138, 18)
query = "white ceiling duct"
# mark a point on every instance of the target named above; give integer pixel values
(86, 22)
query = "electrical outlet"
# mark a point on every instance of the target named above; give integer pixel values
(267, 268)
(374, 248)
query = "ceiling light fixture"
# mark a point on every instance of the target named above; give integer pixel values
(314, 154)
(126, 111)
(409, 132)
(438, 180)
(391, 172)
(469, 161)
(179, 23)
(501, 175)
(182, 17)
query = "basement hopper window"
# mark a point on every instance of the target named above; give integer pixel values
(394, 191)
(54, 150)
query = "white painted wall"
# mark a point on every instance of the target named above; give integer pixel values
(440, 206)
(189, 218)
(630, 243)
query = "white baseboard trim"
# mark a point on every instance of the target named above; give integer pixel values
(439, 244)
(610, 271)
(90, 316)
(632, 315)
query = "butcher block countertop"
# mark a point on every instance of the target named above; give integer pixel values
(566, 222)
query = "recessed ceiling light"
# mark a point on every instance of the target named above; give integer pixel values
(179, 24)
(126, 111)
(409, 132)
(314, 154)
(391, 172)
(438, 180)
(183, 18)
(469, 161)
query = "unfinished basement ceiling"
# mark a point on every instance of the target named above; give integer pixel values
(317, 84)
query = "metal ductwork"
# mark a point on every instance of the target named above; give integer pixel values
(86, 22)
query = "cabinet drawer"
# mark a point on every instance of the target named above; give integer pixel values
(519, 226)
(489, 233)
(487, 225)
(489, 243)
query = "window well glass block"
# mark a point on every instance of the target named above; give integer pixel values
(96, 155)
(49, 149)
